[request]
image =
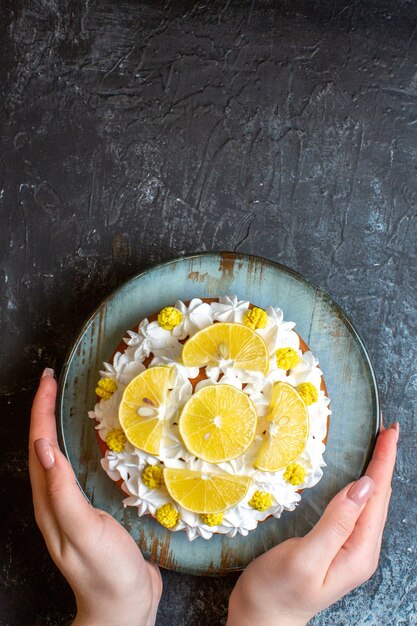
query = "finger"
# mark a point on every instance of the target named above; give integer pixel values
(371, 523)
(359, 557)
(58, 501)
(382, 463)
(42, 425)
(325, 540)
(156, 578)
(66, 504)
(42, 421)
(381, 532)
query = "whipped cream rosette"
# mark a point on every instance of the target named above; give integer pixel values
(213, 417)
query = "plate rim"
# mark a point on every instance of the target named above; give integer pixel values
(226, 255)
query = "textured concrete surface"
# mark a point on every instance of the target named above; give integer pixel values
(136, 131)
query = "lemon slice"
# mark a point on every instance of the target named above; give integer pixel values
(218, 423)
(286, 430)
(205, 493)
(236, 343)
(142, 408)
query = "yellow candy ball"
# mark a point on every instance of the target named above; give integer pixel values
(256, 318)
(116, 440)
(106, 388)
(295, 474)
(169, 317)
(153, 476)
(261, 500)
(308, 392)
(211, 519)
(167, 515)
(287, 358)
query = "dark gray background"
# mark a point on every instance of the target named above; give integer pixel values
(134, 132)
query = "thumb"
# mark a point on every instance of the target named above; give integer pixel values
(338, 521)
(64, 498)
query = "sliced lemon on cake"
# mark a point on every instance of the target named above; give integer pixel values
(205, 493)
(232, 342)
(286, 430)
(218, 423)
(142, 408)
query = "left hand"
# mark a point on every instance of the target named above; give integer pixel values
(290, 583)
(112, 582)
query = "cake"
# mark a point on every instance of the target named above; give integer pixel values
(212, 416)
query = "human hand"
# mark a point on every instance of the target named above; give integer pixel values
(112, 582)
(293, 581)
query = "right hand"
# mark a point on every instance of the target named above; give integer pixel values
(293, 581)
(112, 582)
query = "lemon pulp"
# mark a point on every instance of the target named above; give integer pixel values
(218, 423)
(142, 408)
(236, 343)
(287, 428)
(205, 493)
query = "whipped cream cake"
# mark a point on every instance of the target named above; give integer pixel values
(210, 470)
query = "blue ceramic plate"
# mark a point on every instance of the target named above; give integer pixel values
(320, 321)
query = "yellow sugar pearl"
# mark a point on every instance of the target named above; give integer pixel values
(153, 476)
(287, 358)
(116, 439)
(106, 388)
(169, 317)
(261, 500)
(211, 519)
(167, 515)
(256, 318)
(295, 474)
(308, 392)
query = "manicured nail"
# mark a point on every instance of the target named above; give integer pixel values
(395, 426)
(44, 453)
(48, 371)
(361, 491)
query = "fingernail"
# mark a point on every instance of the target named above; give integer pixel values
(395, 426)
(44, 453)
(48, 371)
(361, 491)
